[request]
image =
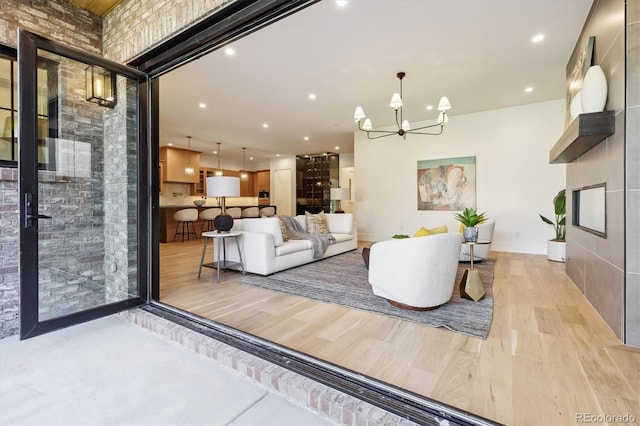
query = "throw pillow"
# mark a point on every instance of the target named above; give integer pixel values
(283, 229)
(316, 223)
(423, 232)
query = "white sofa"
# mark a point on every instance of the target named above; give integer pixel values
(264, 251)
(415, 273)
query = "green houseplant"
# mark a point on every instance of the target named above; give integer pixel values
(469, 218)
(556, 248)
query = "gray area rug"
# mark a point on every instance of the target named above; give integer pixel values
(343, 280)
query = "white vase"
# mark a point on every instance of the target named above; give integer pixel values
(594, 90)
(575, 108)
(556, 250)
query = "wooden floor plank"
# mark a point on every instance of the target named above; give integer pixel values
(549, 355)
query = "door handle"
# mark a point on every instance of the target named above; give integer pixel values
(38, 216)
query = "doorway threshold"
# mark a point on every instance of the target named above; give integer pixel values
(343, 396)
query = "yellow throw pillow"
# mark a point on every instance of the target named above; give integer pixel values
(423, 232)
(316, 223)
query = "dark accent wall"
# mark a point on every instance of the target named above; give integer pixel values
(600, 266)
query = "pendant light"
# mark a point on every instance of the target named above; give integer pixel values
(188, 170)
(219, 170)
(243, 174)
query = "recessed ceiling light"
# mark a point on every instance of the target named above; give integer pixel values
(337, 148)
(277, 155)
(170, 144)
(265, 125)
(250, 158)
(341, 3)
(537, 38)
(312, 96)
(215, 152)
(230, 51)
(306, 138)
(202, 105)
(528, 90)
(429, 107)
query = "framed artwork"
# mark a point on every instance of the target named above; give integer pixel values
(447, 184)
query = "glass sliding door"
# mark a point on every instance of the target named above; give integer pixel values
(81, 170)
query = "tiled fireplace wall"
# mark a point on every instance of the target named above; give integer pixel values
(606, 270)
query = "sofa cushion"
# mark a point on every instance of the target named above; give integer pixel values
(283, 229)
(342, 237)
(340, 223)
(422, 232)
(293, 246)
(270, 225)
(316, 223)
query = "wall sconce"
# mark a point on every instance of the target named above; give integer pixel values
(100, 85)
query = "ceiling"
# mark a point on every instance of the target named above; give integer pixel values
(478, 53)
(97, 7)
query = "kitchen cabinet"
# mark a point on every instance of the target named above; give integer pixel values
(175, 160)
(246, 186)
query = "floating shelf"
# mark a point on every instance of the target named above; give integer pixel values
(585, 132)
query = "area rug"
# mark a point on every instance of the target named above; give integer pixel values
(343, 280)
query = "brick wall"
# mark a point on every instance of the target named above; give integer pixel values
(9, 252)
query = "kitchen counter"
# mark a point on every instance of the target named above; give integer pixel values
(167, 226)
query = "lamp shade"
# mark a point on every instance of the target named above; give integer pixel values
(396, 101)
(444, 104)
(358, 114)
(223, 186)
(340, 193)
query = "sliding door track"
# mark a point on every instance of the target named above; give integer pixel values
(400, 402)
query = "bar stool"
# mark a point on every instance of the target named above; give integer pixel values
(185, 217)
(207, 217)
(267, 211)
(235, 212)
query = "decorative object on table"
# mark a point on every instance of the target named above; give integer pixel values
(594, 90)
(200, 202)
(471, 286)
(222, 187)
(447, 183)
(469, 218)
(404, 127)
(337, 195)
(343, 280)
(556, 248)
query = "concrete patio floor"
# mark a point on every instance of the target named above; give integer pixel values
(110, 371)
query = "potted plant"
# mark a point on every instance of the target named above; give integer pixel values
(556, 248)
(469, 218)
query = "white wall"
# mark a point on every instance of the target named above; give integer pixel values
(514, 179)
(280, 163)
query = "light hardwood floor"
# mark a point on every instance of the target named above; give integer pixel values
(548, 359)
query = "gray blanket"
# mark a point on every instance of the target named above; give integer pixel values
(295, 231)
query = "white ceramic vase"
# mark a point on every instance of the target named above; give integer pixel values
(594, 90)
(575, 108)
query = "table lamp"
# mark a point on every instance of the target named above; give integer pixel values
(222, 187)
(339, 194)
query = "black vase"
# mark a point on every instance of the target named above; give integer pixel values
(223, 222)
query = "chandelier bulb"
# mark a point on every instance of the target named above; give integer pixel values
(359, 114)
(405, 125)
(367, 125)
(444, 104)
(396, 101)
(442, 118)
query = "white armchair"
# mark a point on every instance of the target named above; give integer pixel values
(480, 252)
(415, 273)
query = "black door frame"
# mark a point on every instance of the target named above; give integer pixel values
(28, 45)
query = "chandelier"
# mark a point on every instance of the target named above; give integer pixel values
(404, 127)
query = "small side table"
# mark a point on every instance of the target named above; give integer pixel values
(220, 249)
(471, 286)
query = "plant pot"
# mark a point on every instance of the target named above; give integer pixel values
(556, 250)
(470, 233)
